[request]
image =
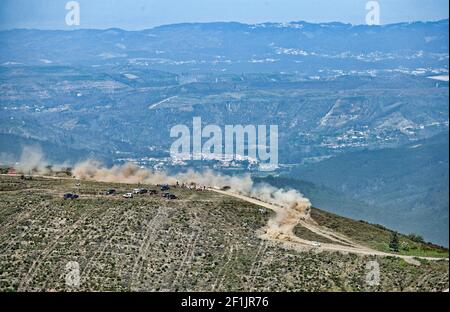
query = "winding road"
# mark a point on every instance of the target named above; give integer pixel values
(283, 234)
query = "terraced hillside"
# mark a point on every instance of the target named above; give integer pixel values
(203, 241)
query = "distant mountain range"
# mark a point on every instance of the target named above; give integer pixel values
(234, 47)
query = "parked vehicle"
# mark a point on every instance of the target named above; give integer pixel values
(140, 191)
(169, 196)
(110, 192)
(166, 194)
(165, 187)
(70, 196)
(128, 195)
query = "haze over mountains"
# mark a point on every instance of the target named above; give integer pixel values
(359, 117)
(235, 47)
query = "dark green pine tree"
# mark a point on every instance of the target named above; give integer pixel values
(394, 243)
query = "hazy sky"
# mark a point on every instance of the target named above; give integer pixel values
(140, 14)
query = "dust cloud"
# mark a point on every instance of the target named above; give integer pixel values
(243, 184)
(33, 160)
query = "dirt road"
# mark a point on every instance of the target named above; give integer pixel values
(280, 230)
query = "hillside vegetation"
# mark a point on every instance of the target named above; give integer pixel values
(376, 236)
(203, 241)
